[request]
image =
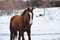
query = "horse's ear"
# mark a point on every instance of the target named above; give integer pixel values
(30, 8)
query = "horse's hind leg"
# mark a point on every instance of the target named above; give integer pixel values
(15, 35)
(11, 35)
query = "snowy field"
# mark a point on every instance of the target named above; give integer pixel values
(45, 27)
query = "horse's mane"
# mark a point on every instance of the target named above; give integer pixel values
(24, 12)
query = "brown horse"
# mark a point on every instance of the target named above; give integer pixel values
(21, 23)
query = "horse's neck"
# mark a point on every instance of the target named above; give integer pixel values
(24, 13)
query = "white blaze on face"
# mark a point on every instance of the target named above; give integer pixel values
(31, 20)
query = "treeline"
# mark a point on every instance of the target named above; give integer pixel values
(39, 3)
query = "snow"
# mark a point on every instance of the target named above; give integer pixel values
(45, 27)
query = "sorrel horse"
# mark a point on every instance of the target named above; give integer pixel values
(21, 23)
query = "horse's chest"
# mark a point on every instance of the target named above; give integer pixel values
(26, 26)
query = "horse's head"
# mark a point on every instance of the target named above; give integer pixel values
(28, 14)
(30, 10)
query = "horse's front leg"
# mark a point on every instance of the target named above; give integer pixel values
(19, 38)
(23, 36)
(29, 34)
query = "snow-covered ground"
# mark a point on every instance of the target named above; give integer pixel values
(45, 27)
